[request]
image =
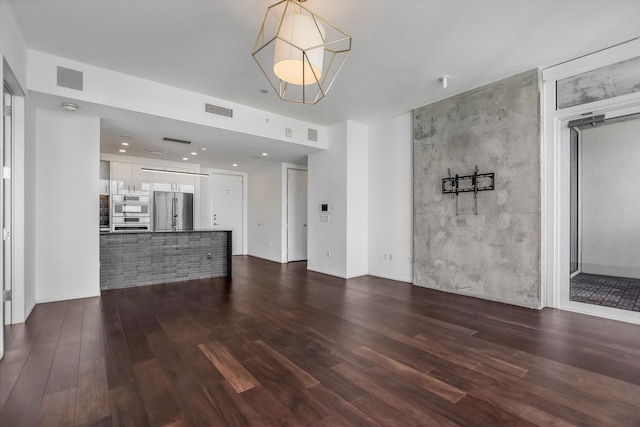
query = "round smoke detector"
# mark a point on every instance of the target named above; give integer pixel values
(68, 106)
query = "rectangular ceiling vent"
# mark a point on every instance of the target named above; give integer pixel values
(312, 135)
(179, 141)
(216, 109)
(69, 78)
(157, 152)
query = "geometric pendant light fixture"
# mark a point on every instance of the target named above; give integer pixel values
(300, 53)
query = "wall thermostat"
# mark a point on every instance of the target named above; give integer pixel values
(325, 207)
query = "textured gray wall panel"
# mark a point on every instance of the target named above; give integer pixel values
(496, 254)
(139, 259)
(621, 78)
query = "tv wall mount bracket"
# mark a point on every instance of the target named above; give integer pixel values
(457, 184)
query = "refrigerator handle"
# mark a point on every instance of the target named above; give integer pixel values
(174, 214)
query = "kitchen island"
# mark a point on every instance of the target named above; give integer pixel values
(138, 258)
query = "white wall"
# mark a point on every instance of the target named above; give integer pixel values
(610, 201)
(339, 176)
(67, 170)
(327, 246)
(390, 199)
(265, 213)
(357, 199)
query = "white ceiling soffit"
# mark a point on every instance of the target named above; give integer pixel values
(214, 147)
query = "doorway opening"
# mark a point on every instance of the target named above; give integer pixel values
(605, 205)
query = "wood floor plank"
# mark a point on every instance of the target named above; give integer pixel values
(160, 404)
(543, 419)
(22, 405)
(92, 401)
(64, 370)
(291, 369)
(382, 413)
(281, 345)
(58, 409)
(434, 385)
(237, 376)
(335, 405)
(233, 409)
(183, 381)
(127, 408)
(395, 400)
(285, 390)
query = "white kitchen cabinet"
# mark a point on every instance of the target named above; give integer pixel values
(173, 182)
(103, 182)
(129, 178)
(184, 183)
(141, 181)
(162, 181)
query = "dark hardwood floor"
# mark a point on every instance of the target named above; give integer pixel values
(280, 346)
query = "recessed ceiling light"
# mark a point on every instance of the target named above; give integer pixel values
(68, 106)
(235, 165)
(122, 150)
(265, 154)
(124, 143)
(203, 149)
(185, 158)
(194, 154)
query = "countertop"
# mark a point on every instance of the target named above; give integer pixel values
(200, 230)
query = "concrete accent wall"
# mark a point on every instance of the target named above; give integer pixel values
(494, 255)
(621, 78)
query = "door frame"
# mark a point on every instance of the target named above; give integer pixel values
(243, 177)
(6, 205)
(555, 163)
(288, 169)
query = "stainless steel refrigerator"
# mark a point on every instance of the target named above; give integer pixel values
(172, 211)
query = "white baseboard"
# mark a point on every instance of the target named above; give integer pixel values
(391, 277)
(328, 273)
(279, 261)
(67, 297)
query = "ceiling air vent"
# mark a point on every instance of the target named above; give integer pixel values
(312, 135)
(157, 152)
(179, 141)
(216, 109)
(69, 78)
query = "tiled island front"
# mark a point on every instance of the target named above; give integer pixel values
(146, 258)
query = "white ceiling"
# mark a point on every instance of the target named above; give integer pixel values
(400, 48)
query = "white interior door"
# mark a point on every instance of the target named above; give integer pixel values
(7, 137)
(296, 215)
(226, 202)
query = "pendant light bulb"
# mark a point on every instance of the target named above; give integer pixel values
(296, 59)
